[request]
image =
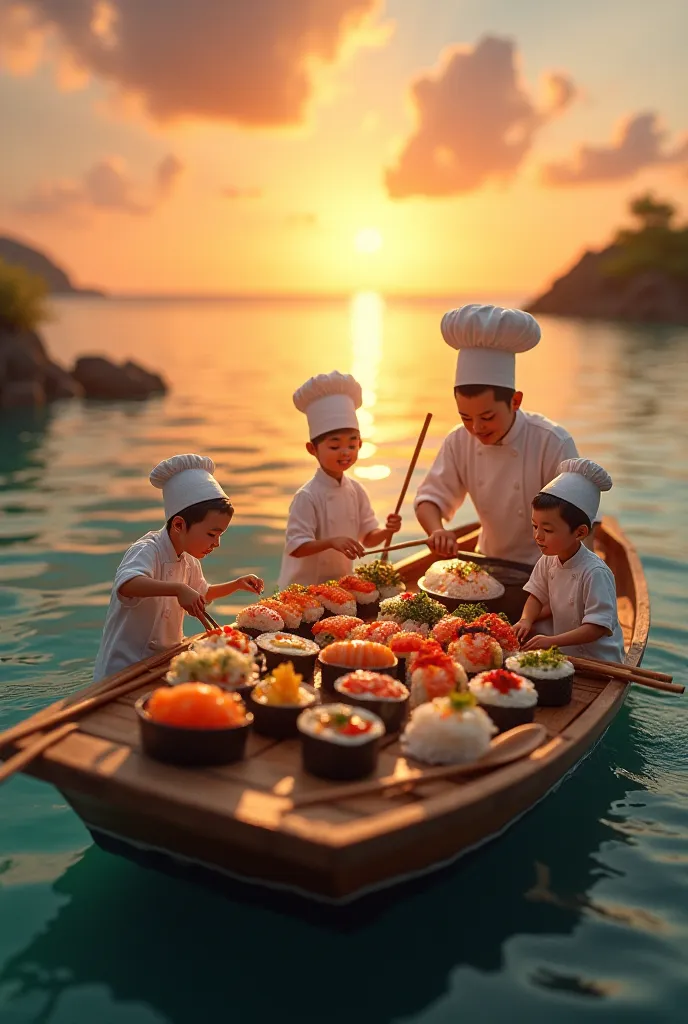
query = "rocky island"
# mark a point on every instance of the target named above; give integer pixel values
(642, 275)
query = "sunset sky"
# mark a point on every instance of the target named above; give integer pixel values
(278, 146)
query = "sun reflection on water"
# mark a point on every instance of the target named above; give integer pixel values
(367, 334)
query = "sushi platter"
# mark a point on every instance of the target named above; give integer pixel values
(372, 680)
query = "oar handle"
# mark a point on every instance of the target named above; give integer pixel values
(409, 474)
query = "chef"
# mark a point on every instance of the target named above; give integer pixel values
(331, 520)
(500, 456)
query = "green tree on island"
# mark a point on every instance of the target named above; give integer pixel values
(656, 244)
(22, 298)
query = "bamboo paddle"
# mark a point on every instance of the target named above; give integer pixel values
(409, 474)
(504, 749)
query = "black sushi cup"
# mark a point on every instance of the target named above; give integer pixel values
(190, 747)
(253, 633)
(339, 762)
(329, 674)
(508, 718)
(392, 710)
(368, 612)
(304, 664)
(552, 693)
(278, 721)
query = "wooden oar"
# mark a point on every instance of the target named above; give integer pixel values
(509, 746)
(409, 474)
(461, 539)
(627, 674)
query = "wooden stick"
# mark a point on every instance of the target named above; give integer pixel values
(600, 670)
(409, 474)
(143, 666)
(25, 756)
(397, 547)
(648, 673)
(26, 728)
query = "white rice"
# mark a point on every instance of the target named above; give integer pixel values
(311, 615)
(523, 697)
(456, 738)
(369, 597)
(544, 672)
(394, 591)
(345, 608)
(307, 722)
(417, 677)
(477, 586)
(492, 652)
(256, 616)
(298, 645)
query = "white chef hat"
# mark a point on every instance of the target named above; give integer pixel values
(329, 401)
(487, 338)
(185, 480)
(580, 482)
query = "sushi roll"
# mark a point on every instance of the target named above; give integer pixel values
(226, 636)
(550, 672)
(405, 646)
(366, 594)
(476, 652)
(383, 576)
(447, 630)
(278, 700)
(310, 606)
(385, 696)
(378, 632)
(448, 730)
(281, 647)
(500, 629)
(509, 699)
(193, 724)
(335, 627)
(434, 674)
(339, 742)
(334, 600)
(342, 657)
(289, 613)
(414, 613)
(257, 618)
(454, 581)
(223, 666)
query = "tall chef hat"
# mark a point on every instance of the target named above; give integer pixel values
(581, 482)
(487, 338)
(185, 480)
(329, 401)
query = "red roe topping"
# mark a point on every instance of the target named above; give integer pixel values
(233, 637)
(503, 680)
(447, 629)
(355, 585)
(406, 643)
(499, 630)
(373, 684)
(336, 595)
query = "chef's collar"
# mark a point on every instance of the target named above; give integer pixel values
(167, 547)
(513, 431)
(575, 562)
(328, 481)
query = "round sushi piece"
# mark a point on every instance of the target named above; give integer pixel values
(461, 581)
(339, 741)
(366, 594)
(434, 674)
(447, 629)
(378, 632)
(380, 693)
(405, 646)
(383, 576)
(281, 647)
(550, 672)
(193, 724)
(223, 666)
(226, 636)
(278, 700)
(500, 629)
(476, 652)
(310, 606)
(258, 618)
(509, 699)
(448, 730)
(339, 658)
(335, 627)
(289, 613)
(414, 613)
(334, 600)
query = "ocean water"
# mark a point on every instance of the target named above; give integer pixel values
(578, 913)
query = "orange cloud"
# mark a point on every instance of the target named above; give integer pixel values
(640, 142)
(107, 185)
(242, 192)
(252, 63)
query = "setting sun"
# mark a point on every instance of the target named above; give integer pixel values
(368, 240)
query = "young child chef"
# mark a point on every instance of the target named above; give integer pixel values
(571, 580)
(331, 520)
(500, 456)
(160, 576)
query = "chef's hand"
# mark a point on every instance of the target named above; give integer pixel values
(393, 523)
(348, 546)
(538, 643)
(442, 542)
(522, 628)
(252, 583)
(191, 601)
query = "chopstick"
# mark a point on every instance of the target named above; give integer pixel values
(604, 670)
(646, 672)
(409, 473)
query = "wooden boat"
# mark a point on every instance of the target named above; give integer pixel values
(239, 822)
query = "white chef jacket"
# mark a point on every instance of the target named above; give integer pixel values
(501, 480)
(324, 507)
(136, 627)
(578, 591)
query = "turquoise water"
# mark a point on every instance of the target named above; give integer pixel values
(578, 913)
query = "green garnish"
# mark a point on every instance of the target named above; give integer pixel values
(466, 569)
(469, 612)
(380, 574)
(461, 700)
(417, 607)
(551, 658)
